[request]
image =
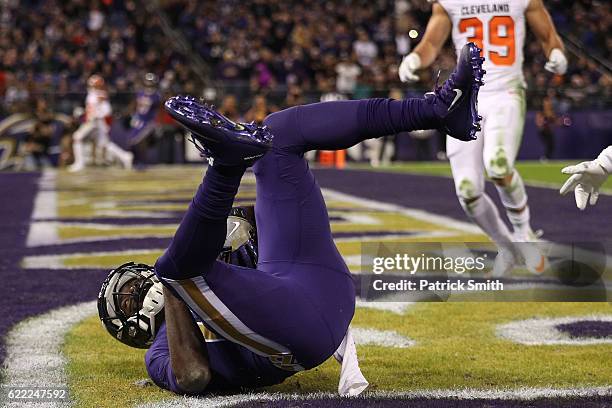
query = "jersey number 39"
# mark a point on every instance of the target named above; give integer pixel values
(501, 34)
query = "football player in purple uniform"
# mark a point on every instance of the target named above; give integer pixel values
(142, 122)
(270, 286)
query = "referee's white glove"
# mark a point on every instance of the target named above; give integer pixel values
(587, 178)
(557, 63)
(410, 64)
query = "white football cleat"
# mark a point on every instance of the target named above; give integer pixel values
(128, 162)
(505, 261)
(531, 252)
(76, 167)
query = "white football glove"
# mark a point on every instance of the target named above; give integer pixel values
(409, 65)
(586, 179)
(557, 63)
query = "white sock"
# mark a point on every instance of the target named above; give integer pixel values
(514, 199)
(77, 150)
(116, 151)
(352, 382)
(484, 213)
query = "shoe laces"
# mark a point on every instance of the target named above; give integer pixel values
(204, 152)
(444, 92)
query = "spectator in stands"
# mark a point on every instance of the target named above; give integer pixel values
(229, 107)
(545, 121)
(365, 49)
(52, 46)
(259, 110)
(348, 71)
(295, 96)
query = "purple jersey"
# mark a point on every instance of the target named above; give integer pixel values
(147, 104)
(143, 120)
(232, 366)
(291, 312)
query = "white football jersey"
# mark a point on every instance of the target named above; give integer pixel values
(97, 105)
(498, 28)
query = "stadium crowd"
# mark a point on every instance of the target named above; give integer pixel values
(263, 53)
(301, 47)
(50, 48)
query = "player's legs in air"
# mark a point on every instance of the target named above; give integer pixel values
(294, 309)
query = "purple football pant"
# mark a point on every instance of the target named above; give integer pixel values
(293, 311)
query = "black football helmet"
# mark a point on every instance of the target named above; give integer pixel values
(240, 246)
(132, 286)
(135, 286)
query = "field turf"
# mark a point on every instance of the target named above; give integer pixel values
(105, 217)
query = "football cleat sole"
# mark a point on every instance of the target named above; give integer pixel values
(478, 73)
(216, 137)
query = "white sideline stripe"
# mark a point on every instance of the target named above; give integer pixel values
(134, 214)
(45, 206)
(109, 205)
(524, 394)
(45, 203)
(440, 220)
(557, 186)
(103, 226)
(102, 238)
(542, 331)
(354, 218)
(57, 261)
(45, 233)
(33, 349)
(529, 183)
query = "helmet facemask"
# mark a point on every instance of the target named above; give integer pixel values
(131, 304)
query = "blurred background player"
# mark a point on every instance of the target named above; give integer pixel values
(142, 122)
(98, 113)
(499, 30)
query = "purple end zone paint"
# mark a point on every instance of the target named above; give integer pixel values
(26, 293)
(556, 215)
(587, 329)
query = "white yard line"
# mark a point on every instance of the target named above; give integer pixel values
(529, 183)
(525, 394)
(45, 203)
(45, 207)
(385, 338)
(439, 220)
(33, 349)
(393, 307)
(57, 261)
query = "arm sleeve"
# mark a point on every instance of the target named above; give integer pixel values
(605, 159)
(158, 365)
